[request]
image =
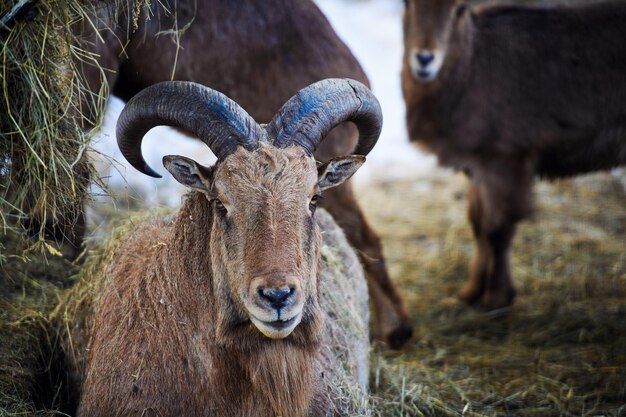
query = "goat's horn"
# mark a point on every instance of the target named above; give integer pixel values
(214, 118)
(310, 115)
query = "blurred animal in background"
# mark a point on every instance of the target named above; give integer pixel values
(259, 53)
(229, 309)
(507, 92)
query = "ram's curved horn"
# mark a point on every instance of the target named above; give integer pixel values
(310, 115)
(214, 118)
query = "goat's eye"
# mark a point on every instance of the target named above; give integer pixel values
(313, 204)
(219, 206)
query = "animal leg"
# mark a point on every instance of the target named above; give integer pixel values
(496, 204)
(474, 288)
(393, 323)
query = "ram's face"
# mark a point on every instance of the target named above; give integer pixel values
(264, 227)
(264, 240)
(427, 29)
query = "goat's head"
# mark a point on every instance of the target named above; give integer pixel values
(428, 26)
(263, 190)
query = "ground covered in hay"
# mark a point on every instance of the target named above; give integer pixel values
(31, 376)
(560, 351)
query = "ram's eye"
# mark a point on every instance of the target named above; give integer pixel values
(313, 204)
(219, 206)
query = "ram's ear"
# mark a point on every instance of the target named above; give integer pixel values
(337, 170)
(188, 172)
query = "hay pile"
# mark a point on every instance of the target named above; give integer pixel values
(43, 171)
(559, 351)
(45, 310)
(29, 382)
(345, 300)
(46, 109)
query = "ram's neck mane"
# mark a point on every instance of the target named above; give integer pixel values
(187, 251)
(278, 379)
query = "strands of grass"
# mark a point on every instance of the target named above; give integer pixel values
(30, 287)
(47, 112)
(42, 169)
(342, 294)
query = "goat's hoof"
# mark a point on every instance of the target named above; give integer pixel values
(495, 300)
(470, 294)
(399, 336)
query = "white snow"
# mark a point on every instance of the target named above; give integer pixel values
(372, 30)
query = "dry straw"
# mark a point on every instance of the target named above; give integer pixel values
(42, 143)
(46, 111)
(559, 351)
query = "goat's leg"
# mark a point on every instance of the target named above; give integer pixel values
(474, 288)
(393, 324)
(495, 206)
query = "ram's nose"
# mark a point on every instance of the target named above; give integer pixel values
(277, 297)
(276, 293)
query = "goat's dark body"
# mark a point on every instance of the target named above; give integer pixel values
(525, 90)
(537, 108)
(259, 54)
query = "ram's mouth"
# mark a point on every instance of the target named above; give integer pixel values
(278, 329)
(425, 75)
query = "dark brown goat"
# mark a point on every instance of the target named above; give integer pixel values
(222, 311)
(259, 53)
(509, 92)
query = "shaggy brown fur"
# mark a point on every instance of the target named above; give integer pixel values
(258, 53)
(522, 90)
(172, 334)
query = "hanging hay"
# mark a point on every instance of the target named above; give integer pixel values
(45, 109)
(42, 145)
(559, 351)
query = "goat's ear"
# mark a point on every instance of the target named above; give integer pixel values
(187, 172)
(461, 8)
(337, 170)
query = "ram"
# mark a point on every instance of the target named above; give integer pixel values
(229, 309)
(259, 53)
(508, 92)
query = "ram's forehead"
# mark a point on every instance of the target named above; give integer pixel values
(267, 166)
